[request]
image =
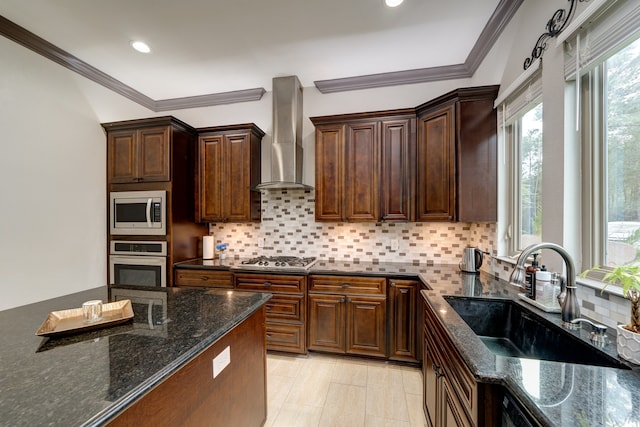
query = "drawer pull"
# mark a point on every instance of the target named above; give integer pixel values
(203, 278)
(345, 285)
(437, 371)
(267, 284)
(268, 308)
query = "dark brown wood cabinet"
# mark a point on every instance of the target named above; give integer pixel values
(457, 157)
(203, 278)
(347, 315)
(364, 166)
(286, 310)
(157, 154)
(452, 397)
(402, 318)
(229, 168)
(139, 155)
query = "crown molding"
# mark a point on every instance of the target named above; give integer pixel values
(26, 38)
(497, 22)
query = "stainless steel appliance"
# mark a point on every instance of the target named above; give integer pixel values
(471, 260)
(288, 263)
(138, 213)
(138, 263)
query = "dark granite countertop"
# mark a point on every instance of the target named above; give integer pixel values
(87, 378)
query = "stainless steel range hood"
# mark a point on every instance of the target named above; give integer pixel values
(286, 147)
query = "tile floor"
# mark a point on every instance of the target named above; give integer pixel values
(321, 390)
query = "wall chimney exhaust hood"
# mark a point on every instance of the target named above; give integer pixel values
(286, 146)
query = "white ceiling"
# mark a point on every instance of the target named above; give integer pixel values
(207, 46)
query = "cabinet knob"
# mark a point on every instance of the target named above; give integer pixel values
(393, 284)
(343, 299)
(345, 285)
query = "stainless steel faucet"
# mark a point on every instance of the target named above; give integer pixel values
(568, 299)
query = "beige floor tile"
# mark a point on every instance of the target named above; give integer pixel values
(278, 388)
(412, 380)
(294, 415)
(387, 401)
(326, 390)
(383, 374)
(311, 385)
(345, 406)
(371, 421)
(350, 372)
(416, 410)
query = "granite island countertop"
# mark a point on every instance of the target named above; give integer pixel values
(88, 378)
(557, 394)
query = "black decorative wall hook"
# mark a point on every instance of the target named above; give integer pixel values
(555, 26)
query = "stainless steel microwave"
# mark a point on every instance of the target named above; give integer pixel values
(138, 212)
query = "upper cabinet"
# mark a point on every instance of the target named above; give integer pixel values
(437, 162)
(141, 150)
(457, 157)
(363, 166)
(229, 168)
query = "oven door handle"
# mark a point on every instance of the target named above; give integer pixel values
(149, 202)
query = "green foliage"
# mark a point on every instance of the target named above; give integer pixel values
(627, 276)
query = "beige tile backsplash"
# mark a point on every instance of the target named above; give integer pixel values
(288, 227)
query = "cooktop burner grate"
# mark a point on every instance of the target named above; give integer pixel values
(282, 262)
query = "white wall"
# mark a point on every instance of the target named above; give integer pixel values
(52, 182)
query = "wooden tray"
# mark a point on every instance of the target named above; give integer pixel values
(70, 321)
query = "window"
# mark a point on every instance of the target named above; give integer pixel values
(611, 141)
(524, 145)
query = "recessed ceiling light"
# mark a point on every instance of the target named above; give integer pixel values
(140, 46)
(393, 3)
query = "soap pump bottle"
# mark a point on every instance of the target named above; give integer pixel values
(530, 278)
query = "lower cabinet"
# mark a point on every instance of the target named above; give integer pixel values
(203, 278)
(452, 397)
(286, 310)
(402, 317)
(347, 315)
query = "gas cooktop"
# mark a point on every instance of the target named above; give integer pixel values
(279, 263)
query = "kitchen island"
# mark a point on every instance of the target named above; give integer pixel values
(159, 364)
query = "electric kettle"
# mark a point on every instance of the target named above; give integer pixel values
(471, 260)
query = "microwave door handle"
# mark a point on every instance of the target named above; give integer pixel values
(149, 200)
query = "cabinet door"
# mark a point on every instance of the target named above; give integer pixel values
(436, 173)
(366, 326)
(154, 157)
(326, 322)
(403, 295)
(362, 166)
(122, 156)
(453, 413)
(431, 378)
(396, 170)
(237, 163)
(329, 176)
(211, 172)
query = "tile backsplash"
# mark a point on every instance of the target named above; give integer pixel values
(288, 227)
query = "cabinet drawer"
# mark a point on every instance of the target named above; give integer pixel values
(210, 278)
(286, 308)
(283, 337)
(270, 283)
(348, 285)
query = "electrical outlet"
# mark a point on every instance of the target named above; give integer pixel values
(221, 361)
(394, 245)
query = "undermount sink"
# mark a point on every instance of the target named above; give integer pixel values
(509, 329)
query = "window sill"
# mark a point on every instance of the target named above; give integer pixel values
(507, 259)
(596, 284)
